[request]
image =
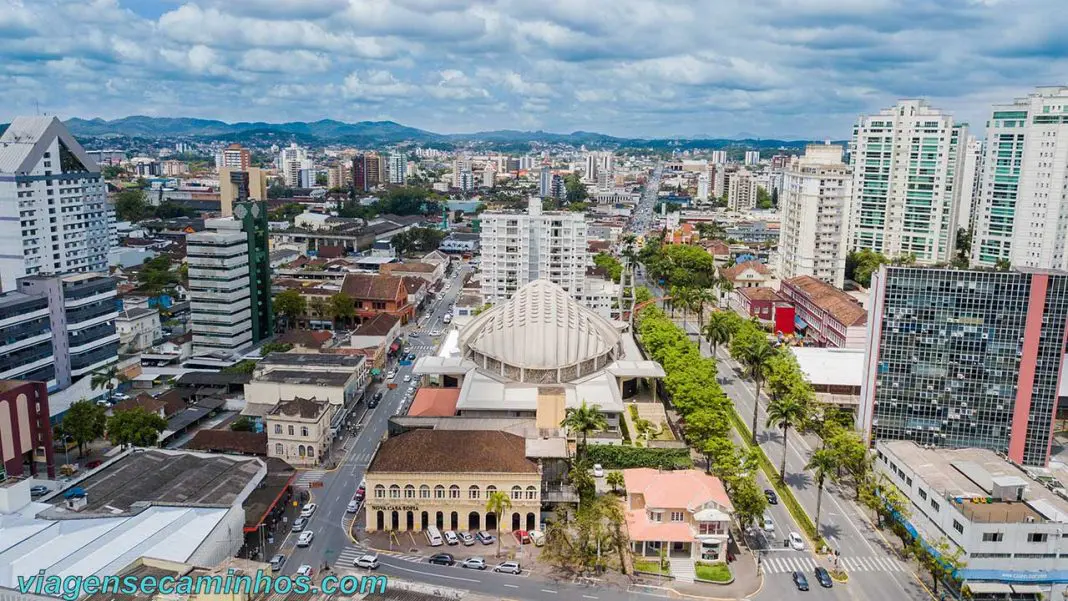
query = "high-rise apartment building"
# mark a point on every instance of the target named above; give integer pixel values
(374, 167)
(230, 281)
(545, 182)
(234, 156)
(518, 248)
(53, 213)
(907, 166)
(459, 166)
(558, 188)
(718, 157)
(240, 186)
(489, 176)
(1022, 215)
(398, 168)
(359, 173)
(959, 358)
(752, 157)
(335, 176)
(704, 186)
(742, 189)
(598, 162)
(970, 180)
(467, 180)
(815, 209)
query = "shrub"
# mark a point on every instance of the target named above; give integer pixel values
(620, 457)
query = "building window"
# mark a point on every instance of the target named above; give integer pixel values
(993, 537)
(1036, 537)
(278, 428)
(454, 492)
(934, 505)
(278, 449)
(409, 492)
(677, 516)
(517, 493)
(311, 451)
(380, 491)
(710, 528)
(923, 494)
(291, 430)
(490, 490)
(532, 493)
(958, 527)
(424, 492)
(394, 491)
(439, 492)
(472, 492)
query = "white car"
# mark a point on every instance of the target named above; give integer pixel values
(366, 561)
(598, 470)
(308, 510)
(353, 507)
(435, 332)
(305, 538)
(304, 570)
(407, 377)
(391, 374)
(796, 542)
(769, 525)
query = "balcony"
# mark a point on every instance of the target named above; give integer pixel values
(72, 303)
(201, 250)
(219, 296)
(83, 363)
(84, 345)
(218, 263)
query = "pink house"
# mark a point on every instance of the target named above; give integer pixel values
(686, 513)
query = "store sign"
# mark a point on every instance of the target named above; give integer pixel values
(394, 508)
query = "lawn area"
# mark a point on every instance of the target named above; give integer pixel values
(716, 572)
(653, 567)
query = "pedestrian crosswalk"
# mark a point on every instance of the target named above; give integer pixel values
(351, 552)
(774, 564)
(420, 349)
(308, 477)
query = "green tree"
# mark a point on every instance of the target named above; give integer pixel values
(498, 503)
(245, 367)
(582, 481)
(156, 275)
(610, 264)
(783, 413)
(341, 307)
(243, 424)
(291, 305)
(749, 501)
(130, 205)
(583, 420)
(276, 347)
(84, 422)
(112, 171)
(764, 200)
(705, 423)
(1003, 265)
(943, 561)
(823, 466)
(750, 347)
(615, 480)
(718, 330)
(318, 307)
(575, 190)
(135, 427)
(861, 264)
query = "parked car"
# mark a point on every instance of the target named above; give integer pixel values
(770, 495)
(598, 471)
(299, 524)
(537, 537)
(305, 570)
(824, 577)
(442, 559)
(450, 538)
(277, 562)
(38, 490)
(353, 507)
(308, 510)
(435, 332)
(391, 374)
(305, 538)
(800, 581)
(485, 537)
(796, 542)
(407, 377)
(361, 492)
(466, 538)
(474, 563)
(508, 567)
(369, 562)
(769, 525)
(371, 404)
(521, 536)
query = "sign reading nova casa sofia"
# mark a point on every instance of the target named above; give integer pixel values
(394, 507)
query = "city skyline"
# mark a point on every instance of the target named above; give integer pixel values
(800, 72)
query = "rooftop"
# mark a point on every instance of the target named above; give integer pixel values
(760, 293)
(453, 451)
(302, 408)
(844, 308)
(691, 489)
(229, 441)
(434, 402)
(368, 286)
(830, 366)
(311, 360)
(316, 378)
(379, 325)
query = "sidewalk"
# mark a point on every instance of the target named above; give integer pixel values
(747, 582)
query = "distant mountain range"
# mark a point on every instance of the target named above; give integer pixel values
(376, 133)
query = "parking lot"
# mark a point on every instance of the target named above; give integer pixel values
(413, 545)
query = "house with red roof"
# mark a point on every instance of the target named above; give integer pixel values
(686, 513)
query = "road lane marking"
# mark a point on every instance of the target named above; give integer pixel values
(545, 590)
(512, 585)
(589, 597)
(433, 574)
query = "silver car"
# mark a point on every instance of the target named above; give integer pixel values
(474, 563)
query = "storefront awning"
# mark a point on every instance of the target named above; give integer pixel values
(988, 587)
(800, 323)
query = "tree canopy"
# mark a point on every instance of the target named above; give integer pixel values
(135, 427)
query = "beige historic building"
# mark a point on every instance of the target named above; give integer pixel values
(298, 431)
(444, 478)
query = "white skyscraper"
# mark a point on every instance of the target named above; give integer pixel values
(545, 182)
(459, 165)
(489, 176)
(815, 213)
(907, 166)
(291, 160)
(467, 180)
(719, 157)
(53, 213)
(704, 186)
(1022, 214)
(752, 157)
(398, 168)
(971, 177)
(742, 190)
(220, 287)
(518, 248)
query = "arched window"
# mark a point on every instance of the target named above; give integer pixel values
(454, 492)
(380, 491)
(300, 450)
(472, 492)
(439, 492)
(409, 492)
(278, 428)
(490, 490)
(394, 491)
(517, 493)
(424, 493)
(311, 451)
(532, 493)
(278, 449)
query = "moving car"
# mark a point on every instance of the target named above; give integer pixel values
(371, 404)
(366, 561)
(407, 377)
(598, 471)
(823, 577)
(361, 492)
(304, 570)
(466, 538)
(800, 581)
(435, 332)
(353, 507)
(299, 524)
(305, 538)
(391, 374)
(277, 562)
(769, 525)
(451, 539)
(485, 537)
(474, 563)
(442, 559)
(796, 542)
(770, 495)
(508, 567)
(308, 510)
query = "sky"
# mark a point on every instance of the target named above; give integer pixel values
(783, 69)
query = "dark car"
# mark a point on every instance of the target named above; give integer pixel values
(800, 581)
(371, 404)
(442, 559)
(770, 495)
(823, 577)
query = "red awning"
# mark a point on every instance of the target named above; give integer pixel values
(393, 347)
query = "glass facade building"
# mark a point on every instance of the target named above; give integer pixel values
(965, 358)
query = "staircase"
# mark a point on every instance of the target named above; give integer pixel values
(682, 568)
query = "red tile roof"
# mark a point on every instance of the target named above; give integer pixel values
(374, 287)
(760, 293)
(837, 303)
(224, 441)
(435, 402)
(306, 338)
(732, 273)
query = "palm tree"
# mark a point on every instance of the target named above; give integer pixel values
(703, 296)
(497, 503)
(755, 358)
(105, 378)
(784, 412)
(584, 419)
(717, 331)
(686, 298)
(823, 464)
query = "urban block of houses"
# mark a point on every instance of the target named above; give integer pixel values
(298, 431)
(746, 274)
(138, 329)
(824, 314)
